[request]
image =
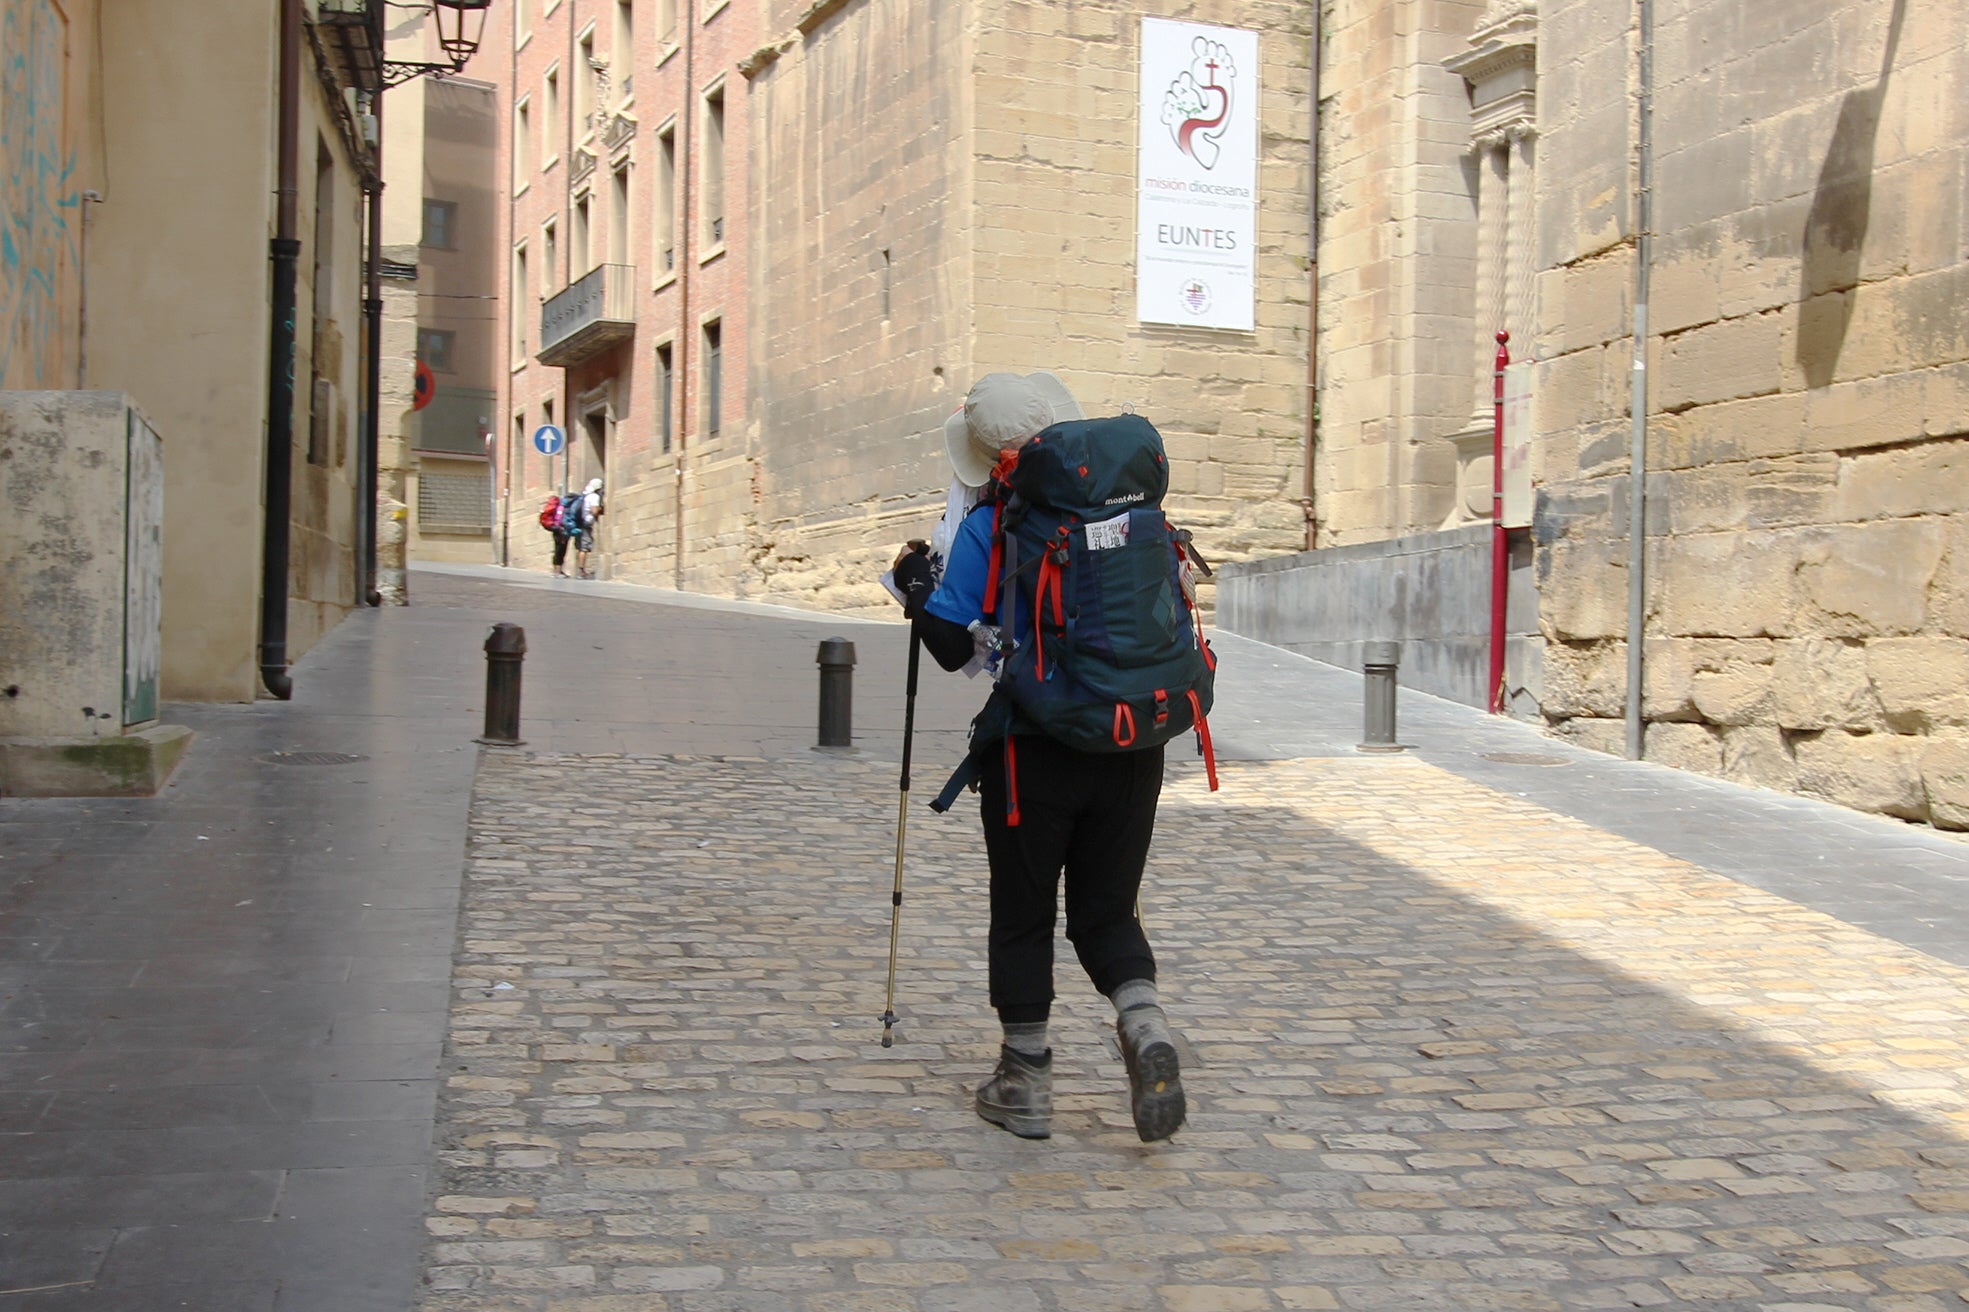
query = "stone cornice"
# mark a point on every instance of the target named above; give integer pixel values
(1506, 38)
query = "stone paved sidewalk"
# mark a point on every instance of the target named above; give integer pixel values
(1450, 1050)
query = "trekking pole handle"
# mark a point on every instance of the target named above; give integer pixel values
(909, 702)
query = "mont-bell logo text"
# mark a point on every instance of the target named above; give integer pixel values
(1125, 498)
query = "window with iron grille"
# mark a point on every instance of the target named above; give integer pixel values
(455, 502)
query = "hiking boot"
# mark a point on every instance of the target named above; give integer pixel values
(1155, 1086)
(1019, 1095)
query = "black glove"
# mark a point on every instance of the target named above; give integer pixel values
(913, 577)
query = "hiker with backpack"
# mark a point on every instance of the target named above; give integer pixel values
(552, 518)
(1061, 572)
(580, 511)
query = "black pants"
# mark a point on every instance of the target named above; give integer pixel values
(560, 549)
(1090, 815)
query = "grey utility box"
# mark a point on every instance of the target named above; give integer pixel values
(81, 596)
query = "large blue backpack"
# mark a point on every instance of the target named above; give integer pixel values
(1087, 585)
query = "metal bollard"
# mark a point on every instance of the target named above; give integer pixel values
(505, 653)
(1378, 665)
(837, 692)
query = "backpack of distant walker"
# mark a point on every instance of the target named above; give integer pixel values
(574, 513)
(550, 515)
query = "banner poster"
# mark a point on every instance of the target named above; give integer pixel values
(1196, 211)
(1517, 507)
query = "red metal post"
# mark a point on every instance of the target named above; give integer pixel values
(1500, 556)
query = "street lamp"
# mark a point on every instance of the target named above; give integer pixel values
(460, 25)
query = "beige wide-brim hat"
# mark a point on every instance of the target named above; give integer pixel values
(1003, 411)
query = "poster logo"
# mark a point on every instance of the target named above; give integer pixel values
(1197, 105)
(1196, 296)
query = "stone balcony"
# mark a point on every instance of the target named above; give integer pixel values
(592, 314)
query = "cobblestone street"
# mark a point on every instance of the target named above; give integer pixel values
(1447, 1049)
(362, 1017)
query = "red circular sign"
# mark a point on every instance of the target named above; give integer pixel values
(426, 386)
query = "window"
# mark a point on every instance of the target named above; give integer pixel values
(522, 143)
(713, 190)
(618, 216)
(521, 29)
(664, 214)
(714, 376)
(550, 256)
(522, 305)
(454, 501)
(516, 472)
(550, 117)
(622, 54)
(587, 81)
(665, 395)
(666, 21)
(578, 239)
(434, 348)
(440, 224)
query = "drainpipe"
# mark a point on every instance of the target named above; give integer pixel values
(1637, 460)
(89, 198)
(685, 336)
(367, 447)
(285, 253)
(1312, 285)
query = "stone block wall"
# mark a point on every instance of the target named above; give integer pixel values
(1808, 449)
(952, 192)
(1398, 262)
(1430, 592)
(860, 274)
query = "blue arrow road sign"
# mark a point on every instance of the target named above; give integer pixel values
(548, 439)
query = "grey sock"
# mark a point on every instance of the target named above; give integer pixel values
(1028, 1038)
(1140, 1013)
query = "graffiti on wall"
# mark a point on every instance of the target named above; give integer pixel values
(39, 204)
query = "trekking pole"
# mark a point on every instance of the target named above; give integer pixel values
(902, 827)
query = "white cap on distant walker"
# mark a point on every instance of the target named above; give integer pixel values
(1003, 411)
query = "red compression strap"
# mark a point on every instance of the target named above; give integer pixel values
(1124, 718)
(1203, 740)
(1011, 782)
(1048, 584)
(997, 562)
